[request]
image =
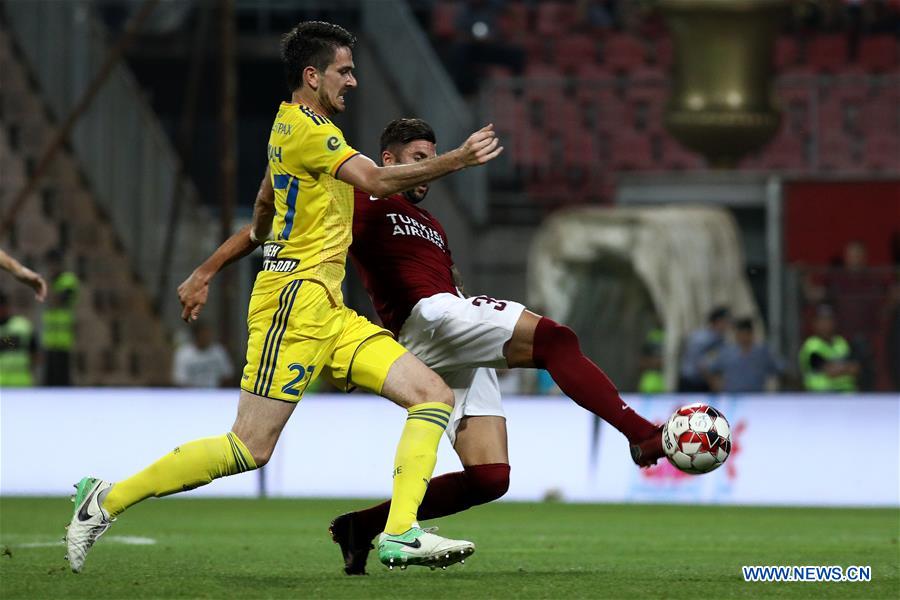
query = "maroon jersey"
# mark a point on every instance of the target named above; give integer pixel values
(401, 253)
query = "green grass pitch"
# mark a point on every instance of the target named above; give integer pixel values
(281, 549)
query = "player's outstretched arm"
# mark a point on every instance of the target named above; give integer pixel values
(25, 275)
(194, 291)
(361, 172)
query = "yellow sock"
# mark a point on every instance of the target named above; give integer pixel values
(184, 468)
(414, 463)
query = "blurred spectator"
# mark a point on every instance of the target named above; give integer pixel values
(201, 362)
(652, 380)
(18, 348)
(856, 291)
(58, 324)
(825, 358)
(25, 275)
(744, 365)
(700, 349)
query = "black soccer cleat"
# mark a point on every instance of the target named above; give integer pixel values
(355, 545)
(648, 451)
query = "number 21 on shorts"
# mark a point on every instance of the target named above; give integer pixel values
(291, 386)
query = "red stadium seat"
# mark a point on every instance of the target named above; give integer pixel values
(579, 148)
(538, 50)
(881, 151)
(645, 103)
(530, 149)
(835, 151)
(675, 156)
(881, 114)
(795, 102)
(554, 19)
(622, 52)
(506, 112)
(596, 72)
(786, 53)
(543, 71)
(841, 109)
(443, 19)
(663, 52)
(827, 52)
(576, 50)
(513, 22)
(786, 151)
(631, 151)
(603, 108)
(879, 53)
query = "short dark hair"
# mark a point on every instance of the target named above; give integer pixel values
(745, 324)
(311, 43)
(404, 131)
(719, 313)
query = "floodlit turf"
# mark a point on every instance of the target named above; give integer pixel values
(280, 548)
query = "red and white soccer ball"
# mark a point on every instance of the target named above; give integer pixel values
(697, 439)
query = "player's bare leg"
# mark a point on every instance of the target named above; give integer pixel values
(259, 424)
(540, 342)
(429, 402)
(248, 446)
(482, 441)
(481, 444)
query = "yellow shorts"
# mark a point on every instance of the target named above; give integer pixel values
(297, 334)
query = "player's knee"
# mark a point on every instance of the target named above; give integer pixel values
(261, 457)
(260, 446)
(488, 482)
(432, 388)
(559, 336)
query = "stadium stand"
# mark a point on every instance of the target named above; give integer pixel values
(835, 89)
(120, 341)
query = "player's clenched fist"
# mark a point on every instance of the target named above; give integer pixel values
(482, 146)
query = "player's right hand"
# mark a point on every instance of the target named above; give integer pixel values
(192, 294)
(482, 146)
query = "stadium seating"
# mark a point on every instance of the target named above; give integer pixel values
(63, 213)
(879, 53)
(599, 95)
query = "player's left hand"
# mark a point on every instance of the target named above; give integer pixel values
(192, 294)
(34, 281)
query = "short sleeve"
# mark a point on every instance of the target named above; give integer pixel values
(319, 148)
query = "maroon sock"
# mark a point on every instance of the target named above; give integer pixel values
(556, 349)
(447, 494)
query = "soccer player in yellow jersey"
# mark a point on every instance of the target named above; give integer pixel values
(299, 328)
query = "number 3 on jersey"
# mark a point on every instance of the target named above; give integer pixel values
(292, 185)
(291, 386)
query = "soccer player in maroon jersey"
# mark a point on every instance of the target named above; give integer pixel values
(402, 254)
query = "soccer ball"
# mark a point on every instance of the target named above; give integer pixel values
(697, 439)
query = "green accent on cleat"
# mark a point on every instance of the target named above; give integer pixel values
(83, 487)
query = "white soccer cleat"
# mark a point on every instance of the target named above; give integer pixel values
(89, 521)
(420, 547)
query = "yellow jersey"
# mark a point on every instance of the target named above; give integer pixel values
(313, 223)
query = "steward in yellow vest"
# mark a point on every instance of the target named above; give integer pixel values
(825, 358)
(58, 335)
(18, 348)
